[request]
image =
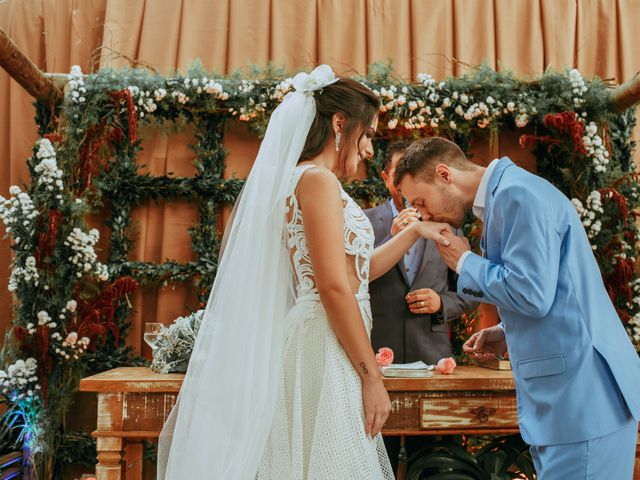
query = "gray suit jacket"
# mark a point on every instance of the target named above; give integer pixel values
(412, 337)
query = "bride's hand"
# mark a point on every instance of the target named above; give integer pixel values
(377, 406)
(434, 231)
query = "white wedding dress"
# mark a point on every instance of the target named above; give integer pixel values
(318, 430)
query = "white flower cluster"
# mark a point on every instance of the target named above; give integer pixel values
(633, 329)
(159, 94)
(47, 169)
(595, 148)
(588, 215)
(417, 110)
(634, 285)
(282, 89)
(207, 85)
(76, 90)
(252, 111)
(20, 381)
(18, 213)
(146, 101)
(143, 100)
(182, 97)
(71, 346)
(625, 251)
(44, 320)
(68, 347)
(84, 256)
(578, 87)
(27, 274)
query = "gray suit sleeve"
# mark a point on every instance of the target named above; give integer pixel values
(453, 306)
(382, 241)
(381, 236)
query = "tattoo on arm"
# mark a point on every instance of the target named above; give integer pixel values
(364, 368)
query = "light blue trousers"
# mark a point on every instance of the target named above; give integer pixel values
(603, 458)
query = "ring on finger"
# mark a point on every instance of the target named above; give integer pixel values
(422, 304)
(404, 222)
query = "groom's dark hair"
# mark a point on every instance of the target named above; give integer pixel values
(421, 158)
(356, 102)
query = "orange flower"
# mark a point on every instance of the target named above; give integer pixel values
(384, 356)
(446, 366)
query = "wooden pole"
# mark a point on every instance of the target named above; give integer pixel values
(626, 95)
(26, 73)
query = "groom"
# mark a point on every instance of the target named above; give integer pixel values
(576, 371)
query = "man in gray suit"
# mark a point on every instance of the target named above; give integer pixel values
(413, 303)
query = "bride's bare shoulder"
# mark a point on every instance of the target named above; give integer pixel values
(317, 181)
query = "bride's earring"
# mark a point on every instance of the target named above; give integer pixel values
(338, 136)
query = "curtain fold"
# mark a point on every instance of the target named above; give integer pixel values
(597, 36)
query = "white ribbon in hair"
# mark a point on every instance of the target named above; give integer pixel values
(321, 76)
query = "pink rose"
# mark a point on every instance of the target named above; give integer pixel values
(384, 356)
(446, 366)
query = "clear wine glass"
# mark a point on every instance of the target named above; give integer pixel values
(151, 331)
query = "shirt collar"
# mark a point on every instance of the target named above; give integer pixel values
(394, 210)
(481, 194)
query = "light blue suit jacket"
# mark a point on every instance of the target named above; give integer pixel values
(577, 374)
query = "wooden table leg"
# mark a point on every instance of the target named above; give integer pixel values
(110, 465)
(133, 452)
(401, 474)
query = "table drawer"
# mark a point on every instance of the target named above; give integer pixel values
(475, 411)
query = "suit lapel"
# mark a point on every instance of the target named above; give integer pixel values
(494, 182)
(387, 219)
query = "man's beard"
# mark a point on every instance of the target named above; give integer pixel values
(453, 204)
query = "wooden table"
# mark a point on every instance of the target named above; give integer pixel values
(133, 404)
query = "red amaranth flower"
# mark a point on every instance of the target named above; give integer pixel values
(530, 141)
(619, 199)
(132, 121)
(567, 123)
(94, 317)
(47, 240)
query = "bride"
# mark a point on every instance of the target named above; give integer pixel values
(283, 383)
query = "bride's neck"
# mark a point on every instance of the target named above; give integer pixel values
(327, 159)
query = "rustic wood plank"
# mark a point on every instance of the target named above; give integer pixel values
(466, 377)
(147, 411)
(132, 379)
(142, 379)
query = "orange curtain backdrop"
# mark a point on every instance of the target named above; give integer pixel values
(597, 36)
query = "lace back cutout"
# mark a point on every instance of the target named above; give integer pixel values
(358, 240)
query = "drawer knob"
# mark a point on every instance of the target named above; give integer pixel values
(483, 413)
